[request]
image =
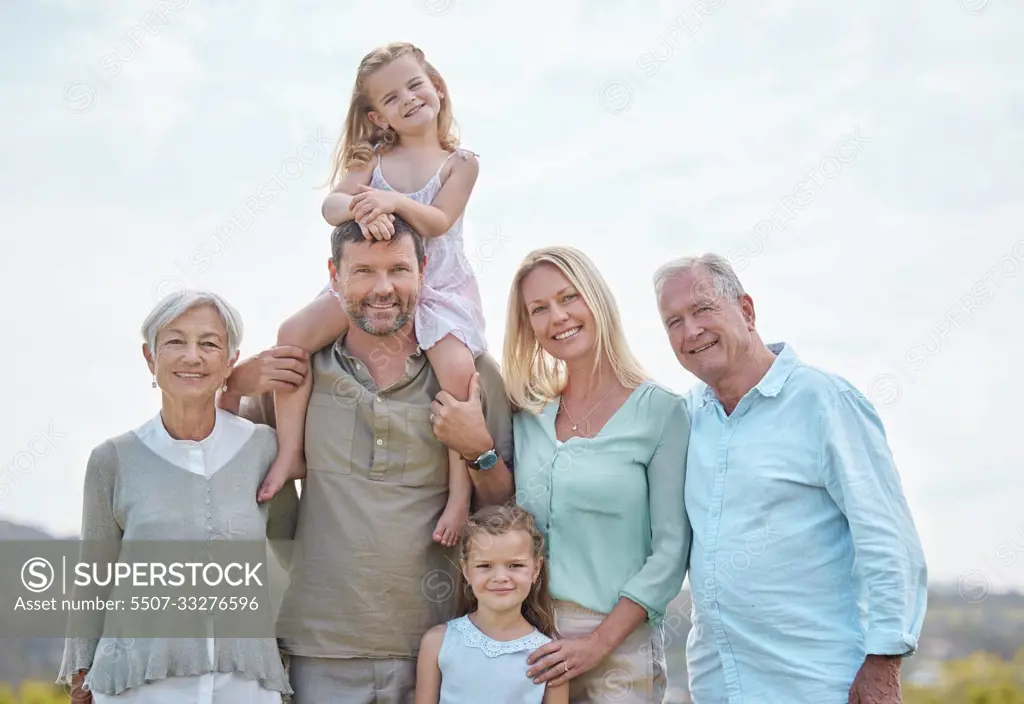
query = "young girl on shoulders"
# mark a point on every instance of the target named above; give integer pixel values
(398, 156)
(505, 613)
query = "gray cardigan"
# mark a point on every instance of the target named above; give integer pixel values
(131, 493)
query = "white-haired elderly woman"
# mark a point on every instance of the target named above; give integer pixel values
(191, 472)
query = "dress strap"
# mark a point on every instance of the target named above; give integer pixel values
(464, 153)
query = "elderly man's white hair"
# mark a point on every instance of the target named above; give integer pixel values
(727, 284)
(175, 304)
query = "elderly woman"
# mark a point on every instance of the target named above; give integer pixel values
(177, 477)
(600, 460)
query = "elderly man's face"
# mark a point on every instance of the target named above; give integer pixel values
(709, 334)
(191, 356)
(379, 283)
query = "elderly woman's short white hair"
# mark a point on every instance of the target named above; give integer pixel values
(174, 305)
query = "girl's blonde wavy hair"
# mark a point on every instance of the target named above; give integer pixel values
(360, 138)
(532, 376)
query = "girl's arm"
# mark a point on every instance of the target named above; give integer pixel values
(559, 694)
(335, 207)
(428, 675)
(437, 218)
(431, 220)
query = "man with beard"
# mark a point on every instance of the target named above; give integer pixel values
(366, 577)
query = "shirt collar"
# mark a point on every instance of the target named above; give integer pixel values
(414, 363)
(772, 382)
(155, 430)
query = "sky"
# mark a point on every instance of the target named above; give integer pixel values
(862, 165)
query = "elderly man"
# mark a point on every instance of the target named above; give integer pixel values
(808, 578)
(367, 579)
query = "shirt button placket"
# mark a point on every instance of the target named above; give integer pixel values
(209, 515)
(718, 496)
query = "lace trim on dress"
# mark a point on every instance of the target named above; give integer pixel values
(476, 638)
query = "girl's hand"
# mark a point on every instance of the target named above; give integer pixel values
(382, 228)
(559, 661)
(370, 203)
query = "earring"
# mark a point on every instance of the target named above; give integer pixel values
(154, 381)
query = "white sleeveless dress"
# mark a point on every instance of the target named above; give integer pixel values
(475, 668)
(450, 300)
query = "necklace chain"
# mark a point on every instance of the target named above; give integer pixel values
(575, 425)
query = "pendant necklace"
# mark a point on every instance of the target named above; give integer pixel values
(575, 425)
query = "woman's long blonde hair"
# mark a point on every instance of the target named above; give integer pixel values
(360, 138)
(538, 608)
(532, 376)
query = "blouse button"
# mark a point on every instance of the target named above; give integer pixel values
(379, 441)
(207, 501)
(208, 515)
(209, 529)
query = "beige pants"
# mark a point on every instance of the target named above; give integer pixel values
(352, 681)
(634, 674)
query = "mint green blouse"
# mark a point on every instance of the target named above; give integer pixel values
(611, 507)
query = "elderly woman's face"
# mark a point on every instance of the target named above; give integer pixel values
(560, 319)
(191, 355)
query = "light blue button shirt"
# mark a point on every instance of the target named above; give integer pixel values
(805, 556)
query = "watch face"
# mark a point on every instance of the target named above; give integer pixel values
(487, 460)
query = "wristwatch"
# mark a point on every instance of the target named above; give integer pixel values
(484, 461)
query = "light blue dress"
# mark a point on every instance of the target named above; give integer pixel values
(476, 668)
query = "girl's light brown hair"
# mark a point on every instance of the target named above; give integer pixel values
(360, 137)
(532, 376)
(538, 608)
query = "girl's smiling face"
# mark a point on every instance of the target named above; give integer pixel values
(403, 96)
(501, 569)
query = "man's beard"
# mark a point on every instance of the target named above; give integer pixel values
(361, 314)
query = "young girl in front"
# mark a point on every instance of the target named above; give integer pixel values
(398, 156)
(504, 614)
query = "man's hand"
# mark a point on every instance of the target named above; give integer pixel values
(283, 367)
(460, 424)
(877, 681)
(77, 693)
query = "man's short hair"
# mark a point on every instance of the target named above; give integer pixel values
(727, 283)
(349, 231)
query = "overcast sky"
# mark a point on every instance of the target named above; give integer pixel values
(861, 163)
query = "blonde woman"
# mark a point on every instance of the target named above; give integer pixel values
(600, 460)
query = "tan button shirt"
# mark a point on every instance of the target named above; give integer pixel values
(367, 580)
